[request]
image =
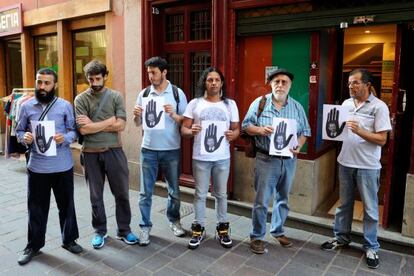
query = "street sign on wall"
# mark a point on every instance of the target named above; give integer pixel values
(11, 20)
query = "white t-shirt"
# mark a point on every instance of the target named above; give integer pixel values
(201, 110)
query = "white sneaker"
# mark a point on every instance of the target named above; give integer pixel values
(177, 229)
(144, 235)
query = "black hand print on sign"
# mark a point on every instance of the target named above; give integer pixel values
(210, 140)
(332, 124)
(280, 140)
(41, 139)
(151, 117)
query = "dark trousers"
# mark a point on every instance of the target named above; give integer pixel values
(39, 189)
(113, 164)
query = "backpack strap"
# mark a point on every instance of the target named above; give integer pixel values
(261, 105)
(46, 110)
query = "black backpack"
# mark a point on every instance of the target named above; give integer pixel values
(174, 89)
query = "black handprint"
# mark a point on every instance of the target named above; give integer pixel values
(210, 140)
(41, 139)
(332, 124)
(280, 140)
(151, 117)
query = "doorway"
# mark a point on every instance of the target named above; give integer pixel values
(383, 50)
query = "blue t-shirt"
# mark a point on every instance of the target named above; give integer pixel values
(170, 137)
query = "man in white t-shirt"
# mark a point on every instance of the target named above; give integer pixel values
(359, 164)
(213, 121)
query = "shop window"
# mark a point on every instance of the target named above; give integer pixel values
(175, 28)
(201, 25)
(199, 62)
(46, 52)
(87, 46)
(13, 65)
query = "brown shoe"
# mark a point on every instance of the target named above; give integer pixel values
(257, 246)
(284, 241)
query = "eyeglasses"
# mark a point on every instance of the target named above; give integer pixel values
(354, 83)
(281, 82)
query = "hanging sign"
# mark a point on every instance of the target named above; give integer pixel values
(11, 20)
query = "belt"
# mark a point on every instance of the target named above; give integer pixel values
(99, 150)
(266, 152)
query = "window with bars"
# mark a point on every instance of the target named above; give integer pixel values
(176, 69)
(174, 27)
(201, 25)
(199, 62)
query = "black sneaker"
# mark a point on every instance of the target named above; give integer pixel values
(223, 234)
(27, 256)
(198, 234)
(332, 245)
(73, 247)
(372, 259)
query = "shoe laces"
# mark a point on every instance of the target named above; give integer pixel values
(371, 254)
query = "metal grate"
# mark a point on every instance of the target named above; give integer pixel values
(176, 69)
(201, 25)
(174, 27)
(199, 62)
(185, 210)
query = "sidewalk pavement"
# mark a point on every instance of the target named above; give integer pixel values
(166, 254)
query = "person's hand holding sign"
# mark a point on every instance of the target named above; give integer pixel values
(280, 140)
(151, 117)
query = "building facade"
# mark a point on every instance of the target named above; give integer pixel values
(319, 41)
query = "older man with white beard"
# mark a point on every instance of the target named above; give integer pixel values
(274, 174)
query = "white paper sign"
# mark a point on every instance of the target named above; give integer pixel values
(153, 113)
(284, 137)
(334, 122)
(43, 132)
(213, 140)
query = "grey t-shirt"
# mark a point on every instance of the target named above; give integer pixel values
(87, 103)
(356, 152)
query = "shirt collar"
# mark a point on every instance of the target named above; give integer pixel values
(168, 89)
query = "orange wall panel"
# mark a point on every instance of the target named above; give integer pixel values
(255, 53)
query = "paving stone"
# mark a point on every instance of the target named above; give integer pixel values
(339, 271)
(155, 262)
(297, 269)
(98, 269)
(267, 262)
(137, 271)
(167, 271)
(312, 259)
(67, 269)
(192, 262)
(121, 261)
(249, 271)
(227, 264)
(242, 249)
(407, 267)
(175, 250)
(362, 272)
(346, 262)
(390, 263)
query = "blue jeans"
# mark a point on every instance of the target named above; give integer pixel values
(169, 163)
(367, 182)
(219, 172)
(273, 177)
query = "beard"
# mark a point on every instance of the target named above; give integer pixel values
(279, 97)
(43, 96)
(96, 88)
